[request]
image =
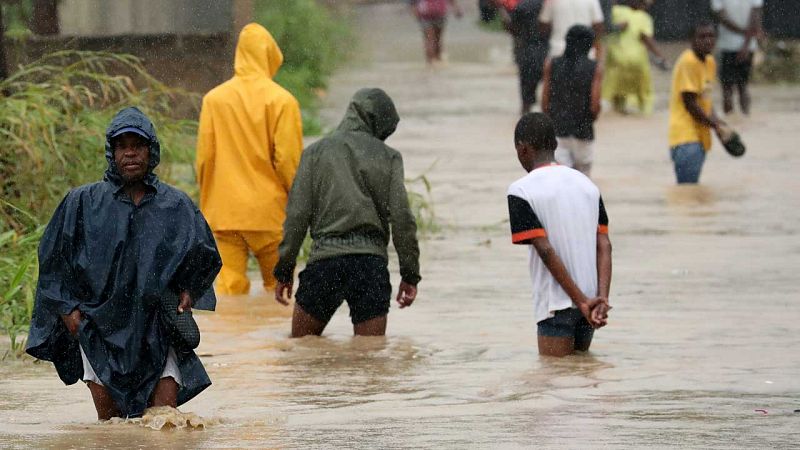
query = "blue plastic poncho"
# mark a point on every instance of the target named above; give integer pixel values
(112, 260)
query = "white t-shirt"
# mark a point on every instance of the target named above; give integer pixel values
(563, 14)
(565, 206)
(739, 13)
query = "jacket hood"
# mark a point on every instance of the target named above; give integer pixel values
(132, 117)
(257, 53)
(372, 111)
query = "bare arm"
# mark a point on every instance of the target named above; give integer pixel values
(546, 19)
(597, 89)
(556, 267)
(548, 68)
(599, 31)
(650, 43)
(756, 23)
(690, 101)
(603, 265)
(754, 31)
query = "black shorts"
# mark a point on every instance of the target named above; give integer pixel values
(568, 323)
(732, 71)
(362, 280)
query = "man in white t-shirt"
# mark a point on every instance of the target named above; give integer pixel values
(557, 16)
(559, 213)
(740, 27)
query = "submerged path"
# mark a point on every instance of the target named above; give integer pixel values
(703, 333)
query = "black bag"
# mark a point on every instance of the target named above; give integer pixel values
(182, 330)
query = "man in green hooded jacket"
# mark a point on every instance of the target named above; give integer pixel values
(349, 190)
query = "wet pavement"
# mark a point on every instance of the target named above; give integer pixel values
(702, 336)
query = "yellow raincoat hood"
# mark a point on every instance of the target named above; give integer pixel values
(257, 53)
(249, 141)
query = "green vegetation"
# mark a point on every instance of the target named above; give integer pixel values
(314, 41)
(781, 63)
(17, 276)
(421, 204)
(16, 15)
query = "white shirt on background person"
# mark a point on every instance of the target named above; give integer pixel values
(738, 11)
(563, 14)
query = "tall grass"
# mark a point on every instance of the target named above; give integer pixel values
(53, 121)
(421, 203)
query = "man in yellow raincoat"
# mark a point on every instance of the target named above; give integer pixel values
(248, 148)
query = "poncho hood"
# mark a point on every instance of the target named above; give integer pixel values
(132, 117)
(257, 53)
(371, 111)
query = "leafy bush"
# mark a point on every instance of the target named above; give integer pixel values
(314, 41)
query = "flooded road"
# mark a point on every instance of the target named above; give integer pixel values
(703, 334)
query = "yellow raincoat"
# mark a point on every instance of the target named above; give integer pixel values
(248, 148)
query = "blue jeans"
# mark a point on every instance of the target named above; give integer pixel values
(688, 160)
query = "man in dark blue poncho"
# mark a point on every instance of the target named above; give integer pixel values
(111, 252)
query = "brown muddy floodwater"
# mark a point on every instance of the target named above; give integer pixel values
(704, 331)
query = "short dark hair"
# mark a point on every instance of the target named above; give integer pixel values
(579, 39)
(536, 129)
(701, 24)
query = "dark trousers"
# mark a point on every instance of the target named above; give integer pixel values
(530, 61)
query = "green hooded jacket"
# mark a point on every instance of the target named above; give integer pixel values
(349, 189)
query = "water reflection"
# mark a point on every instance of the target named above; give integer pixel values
(331, 373)
(690, 195)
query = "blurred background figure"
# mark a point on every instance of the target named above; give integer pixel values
(432, 17)
(520, 18)
(571, 97)
(249, 142)
(627, 74)
(558, 16)
(739, 32)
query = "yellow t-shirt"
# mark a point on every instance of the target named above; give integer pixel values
(691, 75)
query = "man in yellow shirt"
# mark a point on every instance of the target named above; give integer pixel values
(691, 114)
(248, 148)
